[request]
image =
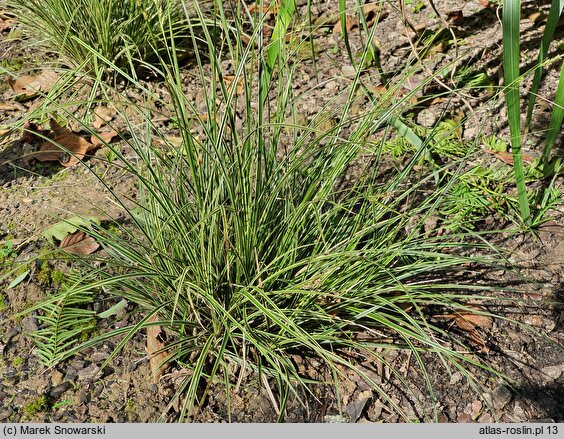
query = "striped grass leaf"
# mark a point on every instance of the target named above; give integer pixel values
(555, 120)
(551, 22)
(511, 58)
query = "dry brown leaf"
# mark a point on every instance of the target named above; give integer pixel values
(79, 243)
(381, 90)
(76, 145)
(51, 151)
(470, 321)
(486, 3)
(372, 11)
(478, 341)
(11, 106)
(29, 86)
(266, 8)
(6, 23)
(101, 138)
(102, 115)
(537, 17)
(229, 81)
(467, 320)
(456, 17)
(414, 30)
(156, 338)
(435, 49)
(507, 157)
(350, 24)
(32, 133)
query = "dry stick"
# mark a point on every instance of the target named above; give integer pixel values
(408, 362)
(428, 72)
(270, 394)
(243, 366)
(447, 26)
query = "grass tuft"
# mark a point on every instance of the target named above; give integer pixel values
(257, 239)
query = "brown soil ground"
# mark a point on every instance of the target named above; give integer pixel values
(33, 196)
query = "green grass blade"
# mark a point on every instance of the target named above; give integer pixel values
(287, 11)
(552, 21)
(556, 119)
(511, 48)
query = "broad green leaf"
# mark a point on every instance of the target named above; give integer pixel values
(287, 11)
(113, 310)
(18, 280)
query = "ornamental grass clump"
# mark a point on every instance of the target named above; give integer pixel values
(255, 239)
(97, 34)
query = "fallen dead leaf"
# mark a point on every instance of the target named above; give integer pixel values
(478, 341)
(79, 243)
(266, 8)
(467, 320)
(29, 86)
(230, 80)
(6, 22)
(102, 115)
(11, 106)
(537, 17)
(486, 3)
(507, 157)
(32, 133)
(350, 24)
(456, 17)
(156, 338)
(414, 30)
(382, 90)
(373, 11)
(440, 47)
(470, 321)
(51, 151)
(101, 138)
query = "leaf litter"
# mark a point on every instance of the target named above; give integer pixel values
(67, 147)
(27, 87)
(79, 243)
(156, 339)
